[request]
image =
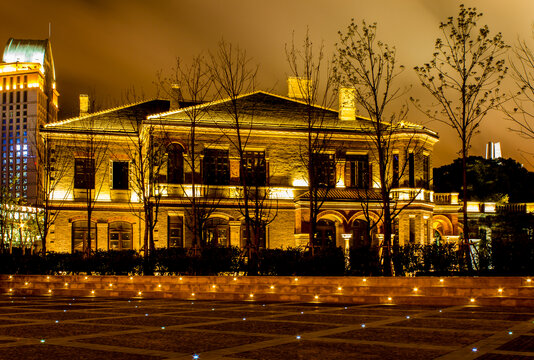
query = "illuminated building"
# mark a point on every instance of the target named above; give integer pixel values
(29, 99)
(277, 132)
(493, 150)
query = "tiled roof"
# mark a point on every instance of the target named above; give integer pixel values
(264, 110)
(122, 118)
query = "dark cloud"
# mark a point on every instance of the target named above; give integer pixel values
(103, 47)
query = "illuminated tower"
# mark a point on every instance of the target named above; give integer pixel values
(493, 150)
(29, 99)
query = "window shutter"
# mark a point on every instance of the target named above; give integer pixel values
(347, 174)
(370, 185)
(111, 174)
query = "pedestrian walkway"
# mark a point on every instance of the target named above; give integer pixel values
(101, 328)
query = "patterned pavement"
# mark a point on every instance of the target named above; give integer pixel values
(95, 328)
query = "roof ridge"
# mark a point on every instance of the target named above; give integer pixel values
(69, 120)
(220, 101)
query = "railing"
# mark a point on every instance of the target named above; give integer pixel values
(512, 208)
(409, 194)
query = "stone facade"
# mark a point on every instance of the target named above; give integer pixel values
(275, 131)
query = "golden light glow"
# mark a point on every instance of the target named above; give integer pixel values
(473, 206)
(180, 279)
(300, 183)
(272, 287)
(235, 279)
(415, 289)
(364, 280)
(159, 285)
(66, 284)
(26, 283)
(131, 277)
(110, 285)
(48, 278)
(11, 276)
(472, 299)
(440, 280)
(251, 295)
(281, 193)
(192, 294)
(529, 280)
(10, 290)
(340, 288)
(140, 293)
(296, 279)
(500, 290)
(49, 290)
(92, 291)
(389, 299)
(213, 286)
(316, 297)
(85, 278)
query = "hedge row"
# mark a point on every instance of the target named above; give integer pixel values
(505, 259)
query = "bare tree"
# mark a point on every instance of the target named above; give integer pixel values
(369, 68)
(145, 148)
(189, 87)
(234, 76)
(522, 113)
(91, 151)
(54, 162)
(315, 84)
(463, 77)
(9, 206)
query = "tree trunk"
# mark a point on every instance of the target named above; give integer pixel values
(466, 249)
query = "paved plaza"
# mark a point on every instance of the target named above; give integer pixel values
(99, 328)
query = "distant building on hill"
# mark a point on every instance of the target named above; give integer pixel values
(493, 150)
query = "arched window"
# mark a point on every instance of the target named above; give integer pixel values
(325, 233)
(80, 235)
(120, 236)
(360, 233)
(217, 232)
(175, 164)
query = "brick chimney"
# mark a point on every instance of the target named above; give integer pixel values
(84, 104)
(347, 104)
(176, 96)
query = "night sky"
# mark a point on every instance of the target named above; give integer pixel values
(104, 47)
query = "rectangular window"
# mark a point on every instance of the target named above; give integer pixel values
(325, 170)
(255, 168)
(84, 173)
(120, 175)
(358, 166)
(175, 234)
(216, 169)
(395, 182)
(175, 164)
(411, 170)
(426, 171)
(412, 230)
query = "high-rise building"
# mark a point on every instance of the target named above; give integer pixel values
(28, 99)
(493, 150)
